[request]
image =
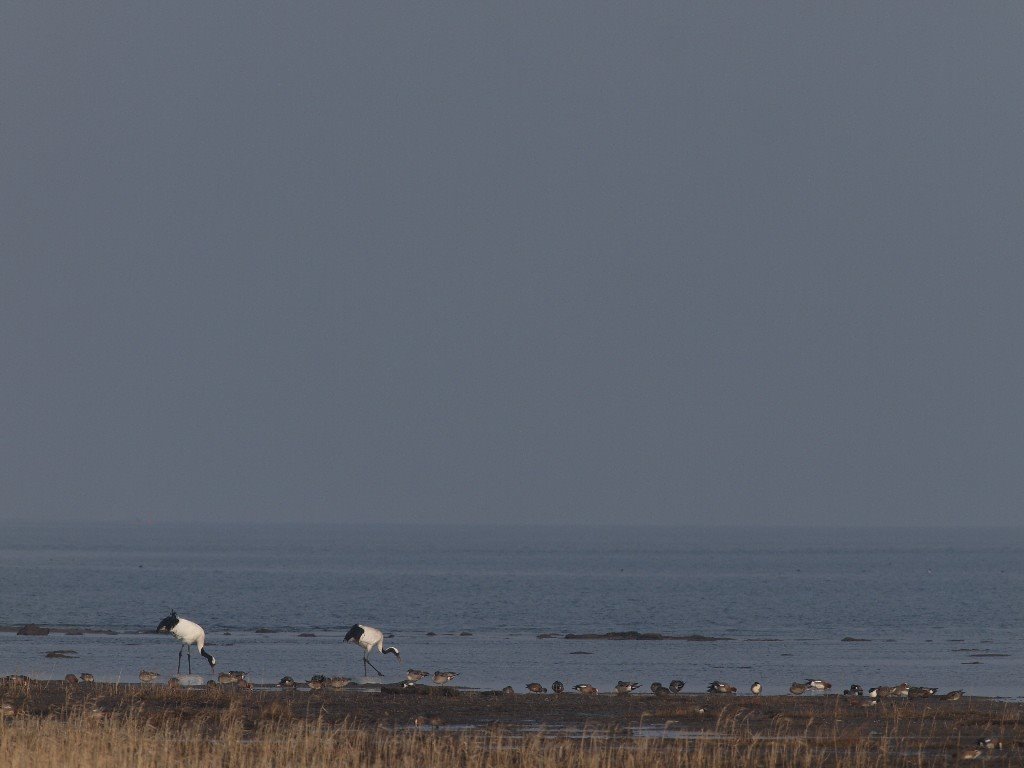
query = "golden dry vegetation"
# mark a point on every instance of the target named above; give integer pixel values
(109, 726)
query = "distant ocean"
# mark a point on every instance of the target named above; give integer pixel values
(935, 607)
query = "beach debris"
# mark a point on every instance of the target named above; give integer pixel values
(337, 683)
(536, 688)
(755, 688)
(86, 677)
(415, 675)
(717, 686)
(952, 696)
(70, 679)
(857, 701)
(624, 687)
(557, 686)
(797, 688)
(148, 677)
(286, 682)
(585, 688)
(98, 712)
(676, 686)
(440, 678)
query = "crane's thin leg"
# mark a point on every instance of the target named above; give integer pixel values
(180, 649)
(372, 667)
(190, 659)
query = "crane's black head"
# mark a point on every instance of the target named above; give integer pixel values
(354, 634)
(168, 623)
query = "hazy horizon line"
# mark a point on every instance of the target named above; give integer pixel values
(822, 526)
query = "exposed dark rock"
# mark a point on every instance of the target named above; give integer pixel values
(34, 629)
(644, 636)
(306, 634)
(855, 640)
(68, 654)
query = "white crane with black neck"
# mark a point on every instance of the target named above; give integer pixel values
(369, 638)
(188, 633)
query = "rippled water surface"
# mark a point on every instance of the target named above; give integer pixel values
(936, 607)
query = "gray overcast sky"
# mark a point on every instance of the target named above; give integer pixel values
(658, 262)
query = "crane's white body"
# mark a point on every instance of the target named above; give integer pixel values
(188, 634)
(369, 638)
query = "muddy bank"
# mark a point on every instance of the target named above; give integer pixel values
(394, 706)
(633, 636)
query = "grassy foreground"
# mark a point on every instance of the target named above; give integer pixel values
(112, 726)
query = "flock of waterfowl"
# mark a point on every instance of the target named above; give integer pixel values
(368, 638)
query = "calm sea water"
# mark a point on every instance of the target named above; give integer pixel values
(938, 607)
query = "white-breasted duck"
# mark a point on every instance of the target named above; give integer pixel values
(440, 678)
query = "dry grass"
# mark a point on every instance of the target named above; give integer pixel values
(113, 726)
